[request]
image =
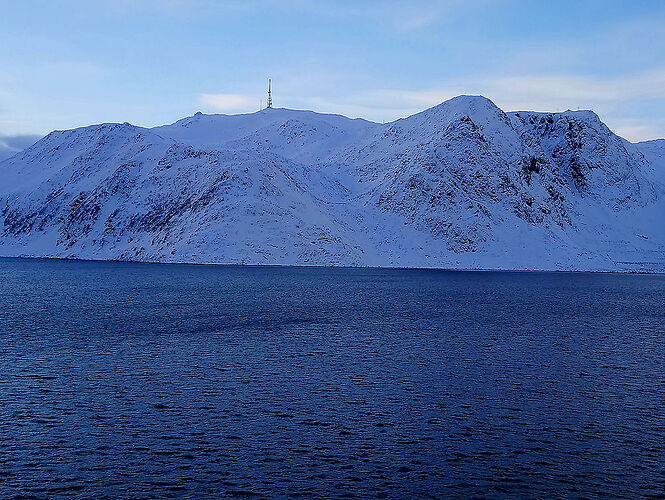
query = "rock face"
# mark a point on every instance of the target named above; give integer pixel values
(460, 185)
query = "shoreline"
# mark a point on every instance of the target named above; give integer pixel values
(332, 266)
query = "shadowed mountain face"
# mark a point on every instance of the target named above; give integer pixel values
(460, 185)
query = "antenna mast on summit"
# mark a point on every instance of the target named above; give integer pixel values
(269, 103)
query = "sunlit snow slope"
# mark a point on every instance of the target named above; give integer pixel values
(460, 185)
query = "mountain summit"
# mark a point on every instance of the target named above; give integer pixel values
(459, 185)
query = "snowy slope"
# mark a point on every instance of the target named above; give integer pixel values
(654, 153)
(460, 185)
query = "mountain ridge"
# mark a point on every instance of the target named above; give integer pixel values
(460, 185)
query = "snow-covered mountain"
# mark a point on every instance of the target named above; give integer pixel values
(460, 185)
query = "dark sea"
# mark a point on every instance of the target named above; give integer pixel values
(125, 380)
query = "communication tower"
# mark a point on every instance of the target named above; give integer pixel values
(269, 103)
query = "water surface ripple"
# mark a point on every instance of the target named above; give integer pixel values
(139, 380)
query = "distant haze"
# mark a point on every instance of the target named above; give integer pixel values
(10, 145)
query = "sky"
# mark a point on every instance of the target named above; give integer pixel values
(70, 63)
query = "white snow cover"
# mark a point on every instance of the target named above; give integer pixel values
(461, 185)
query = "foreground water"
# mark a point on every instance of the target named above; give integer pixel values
(138, 380)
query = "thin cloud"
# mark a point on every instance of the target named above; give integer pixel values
(411, 17)
(542, 92)
(228, 102)
(397, 15)
(569, 90)
(615, 100)
(635, 131)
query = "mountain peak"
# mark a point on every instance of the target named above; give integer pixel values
(482, 111)
(466, 105)
(470, 100)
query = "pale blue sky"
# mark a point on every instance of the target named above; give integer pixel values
(67, 63)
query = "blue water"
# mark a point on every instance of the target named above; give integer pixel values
(140, 380)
